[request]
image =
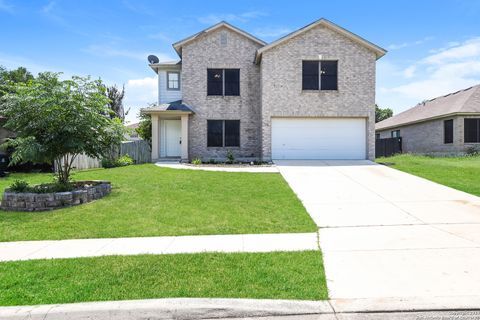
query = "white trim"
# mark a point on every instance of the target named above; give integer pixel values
(380, 52)
(178, 45)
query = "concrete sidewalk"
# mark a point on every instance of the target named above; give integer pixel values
(385, 233)
(203, 308)
(51, 249)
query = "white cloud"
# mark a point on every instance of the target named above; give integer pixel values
(6, 7)
(272, 32)
(230, 17)
(139, 93)
(448, 69)
(396, 46)
(467, 49)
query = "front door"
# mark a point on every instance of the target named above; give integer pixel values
(173, 138)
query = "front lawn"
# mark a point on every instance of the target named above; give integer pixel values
(462, 173)
(150, 201)
(277, 275)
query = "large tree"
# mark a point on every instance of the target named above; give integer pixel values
(144, 128)
(10, 77)
(382, 114)
(56, 120)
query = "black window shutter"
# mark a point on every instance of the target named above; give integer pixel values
(232, 133)
(310, 79)
(214, 82)
(448, 131)
(472, 130)
(214, 133)
(329, 75)
(232, 82)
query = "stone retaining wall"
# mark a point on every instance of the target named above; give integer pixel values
(12, 201)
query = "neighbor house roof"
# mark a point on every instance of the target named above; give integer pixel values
(461, 102)
(379, 52)
(172, 107)
(178, 45)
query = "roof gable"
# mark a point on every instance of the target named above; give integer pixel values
(178, 45)
(460, 102)
(379, 52)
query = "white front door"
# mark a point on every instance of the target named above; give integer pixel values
(318, 138)
(173, 138)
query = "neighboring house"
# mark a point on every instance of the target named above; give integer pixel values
(308, 95)
(132, 134)
(445, 125)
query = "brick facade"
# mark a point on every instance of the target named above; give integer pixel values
(282, 94)
(209, 52)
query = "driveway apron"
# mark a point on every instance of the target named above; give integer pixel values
(385, 233)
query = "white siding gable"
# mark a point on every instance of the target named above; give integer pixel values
(164, 95)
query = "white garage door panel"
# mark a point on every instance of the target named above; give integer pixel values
(326, 138)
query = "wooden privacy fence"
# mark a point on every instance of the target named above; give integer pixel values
(138, 150)
(388, 147)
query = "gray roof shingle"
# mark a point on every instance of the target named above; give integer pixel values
(463, 101)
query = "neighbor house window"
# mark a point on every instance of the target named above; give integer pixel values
(319, 75)
(377, 135)
(173, 80)
(395, 134)
(448, 131)
(472, 130)
(223, 133)
(223, 82)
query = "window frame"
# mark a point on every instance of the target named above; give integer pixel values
(450, 135)
(477, 120)
(395, 133)
(320, 73)
(224, 137)
(224, 83)
(168, 80)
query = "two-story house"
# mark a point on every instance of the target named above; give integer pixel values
(308, 95)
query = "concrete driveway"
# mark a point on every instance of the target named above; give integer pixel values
(385, 233)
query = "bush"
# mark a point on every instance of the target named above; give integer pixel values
(197, 161)
(212, 161)
(230, 157)
(472, 151)
(19, 186)
(123, 161)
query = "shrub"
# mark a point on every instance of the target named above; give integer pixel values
(20, 186)
(124, 160)
(230, 157)
(197, 161)
(472, 151)
(212, 161)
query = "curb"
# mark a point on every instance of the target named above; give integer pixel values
(200, 308)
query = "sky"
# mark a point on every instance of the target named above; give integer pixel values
(433, 46)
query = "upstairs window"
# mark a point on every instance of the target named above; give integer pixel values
(173, 80)
(223, 133)
(319, 75)
(223, 82)
(448, 131)
(472, 130)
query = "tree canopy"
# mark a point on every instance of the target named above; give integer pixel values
(382, 114)
(55, 120)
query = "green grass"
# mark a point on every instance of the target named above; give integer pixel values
(150, 201)
(277, 275)
(461, 173)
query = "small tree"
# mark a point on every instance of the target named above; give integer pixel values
(144, 128)
(57, 120)
(382, 114)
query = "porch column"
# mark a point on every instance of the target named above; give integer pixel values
(155, 137)
(185, 137)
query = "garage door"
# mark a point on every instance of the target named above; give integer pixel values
(318, 138)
